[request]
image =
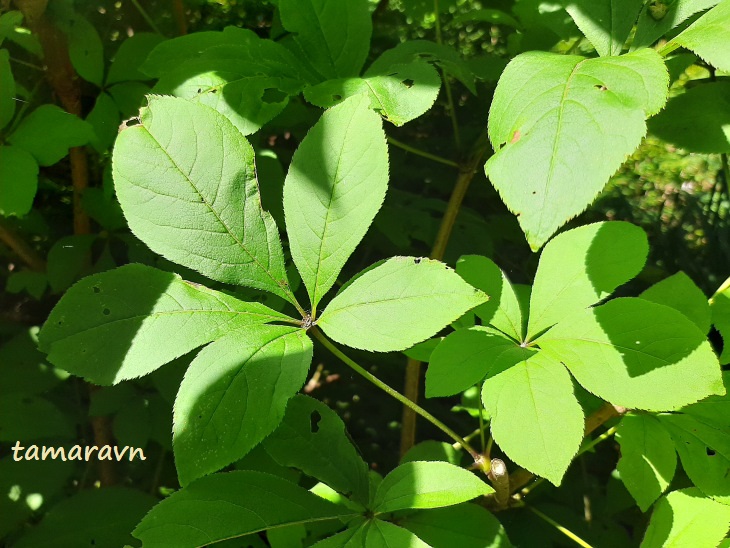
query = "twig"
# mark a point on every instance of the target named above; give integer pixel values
(146, 17)
(22, 249)
(421, 153)
(182, 23)
(567, 532)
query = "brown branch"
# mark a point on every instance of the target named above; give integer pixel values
(64, 81)
(413, 367)
(182, 23)
(22, 249)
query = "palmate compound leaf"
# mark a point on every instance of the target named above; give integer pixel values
(312, 438)
(606, 23)
(127, 322)
(465, 357)
(230, 505)
(561, 125)
(234, 394)
(708, 37)
(402, 94)
(377, 310)
(648, 459)
(536, 418)
(687, 518)
(336, 184)
(186, 181)
(580, 267)
(637, 354)
(424, 484)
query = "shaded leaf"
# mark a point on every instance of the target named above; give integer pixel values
(234, 394)
(18, 181)
(678, 291)
(129, 321)
(230, 505)
(636, 354)
(130, 55)
(708, 37)
(607, 24)
(312, 438)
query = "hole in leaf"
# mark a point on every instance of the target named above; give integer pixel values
(214, 90)
(96, 289)
(314, 419)
(417, 260)
(106, 312)
(337, 97)
(199, 90)
(710, 452)
(600, 87)
(408, 83)
(273, 95)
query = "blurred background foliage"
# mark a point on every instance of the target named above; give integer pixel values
(680, 198)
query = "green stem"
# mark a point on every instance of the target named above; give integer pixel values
(568, 533)
(481, 418)
(27, 64)
(146, 17)
(393, 393)
(422, 153)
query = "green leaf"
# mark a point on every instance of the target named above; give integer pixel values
(332, 36)
(503, 310)
(582, 266)
(29, 486)
(249, 84)
(697, 120)
(423, 484)
(464, 525)
(648, 459)
(103, 209)
(234, 394)
(536, 418)
(187, 184)
(422, 351)
(412, 51)
(34, 283)
(312, 438)
(495, 17)
(373, 533)
(104, 119)
(636, 354)
(66, 260)
(686, 518)
(7, 91)
(375, 311)
(129, 321)
(94, 517)
(680, 292)
(129, 57)
(561, 125)
(129, 97)
(170, 54)
(403, 94)
(85, 49)
(336, 184)
(432, 450)
(607, 24)
(8, 22)
(229, 505)
(18, 181)
(30, 418)
(704, 449)
(655, 21)
(49, 132)
(23, 367)
(720, 307)
(466, 357)
(708, 37)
